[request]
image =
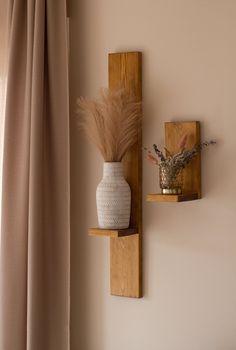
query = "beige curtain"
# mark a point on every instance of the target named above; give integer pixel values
(35, 203)
(3, 79)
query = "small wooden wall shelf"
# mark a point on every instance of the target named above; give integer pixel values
(126, 245)
(192, 172)
(171, 197)
(111, 233)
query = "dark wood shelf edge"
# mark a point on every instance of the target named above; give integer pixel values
(96, 231)
(158, 197)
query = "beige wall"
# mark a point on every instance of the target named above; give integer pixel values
(189, 73)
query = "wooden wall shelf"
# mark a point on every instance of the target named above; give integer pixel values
(111, 233)
(192, 172)
(158, 197)
(125, 70)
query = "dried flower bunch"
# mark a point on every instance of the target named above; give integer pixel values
(112, 122)
(176, 162)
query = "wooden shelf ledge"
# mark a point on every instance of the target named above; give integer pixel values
(111, 233)
(158, 197)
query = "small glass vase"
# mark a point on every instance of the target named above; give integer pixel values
(171, 179)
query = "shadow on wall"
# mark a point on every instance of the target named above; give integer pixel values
(82, 278)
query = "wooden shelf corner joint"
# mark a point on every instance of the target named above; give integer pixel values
(125, 71)
(192, 172)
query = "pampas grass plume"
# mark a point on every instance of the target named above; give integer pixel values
(111, 123)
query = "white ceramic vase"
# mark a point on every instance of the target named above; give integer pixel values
(113, 198)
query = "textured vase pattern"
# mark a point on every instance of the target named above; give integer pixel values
(171, 179)
(113, 198)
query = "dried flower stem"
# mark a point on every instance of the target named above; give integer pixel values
(175, 163)
(112, 123)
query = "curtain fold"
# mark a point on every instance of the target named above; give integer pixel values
(35, 248)
(3, 79)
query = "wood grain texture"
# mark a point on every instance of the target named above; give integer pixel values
(158, 197)
(125, 253)
(125, 71)
(125, 266)
(192, 172)
(96, 231)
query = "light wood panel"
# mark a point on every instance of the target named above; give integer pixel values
(111, 233)
(125, 71)
(171, 197)
(125, 266)
(192, 172)
(125, 252)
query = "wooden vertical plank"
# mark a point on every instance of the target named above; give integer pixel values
(192, 172)
(125, 252)
(125, 71)
(125, 266)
